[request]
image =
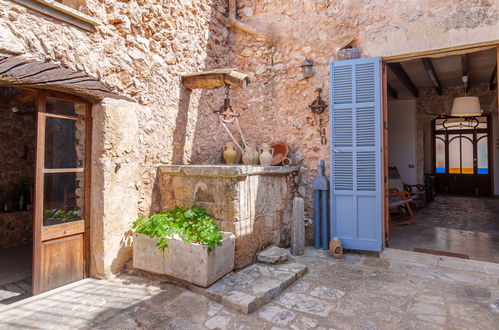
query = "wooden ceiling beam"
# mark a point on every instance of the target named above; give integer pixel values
(404, 78)
(392, 92)
(22, 98)
(432, 75)
(493, 79)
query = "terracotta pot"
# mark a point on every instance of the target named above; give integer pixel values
(266, 155)
(230, 154)
(280, 152)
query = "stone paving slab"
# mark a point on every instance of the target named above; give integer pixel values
(356, 292)
(245, 290)
(248, 289)
(441, 261)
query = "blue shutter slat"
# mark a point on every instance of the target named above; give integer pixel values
(356, 187)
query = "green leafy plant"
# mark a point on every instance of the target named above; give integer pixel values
(63, 216)
(193, 225)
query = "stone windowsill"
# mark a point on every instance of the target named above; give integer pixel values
(61, 12)
(226, 170)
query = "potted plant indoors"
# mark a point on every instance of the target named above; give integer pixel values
(183, 243)
(58, 216)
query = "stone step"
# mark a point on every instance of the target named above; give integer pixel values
(489, 268)
(245, 290)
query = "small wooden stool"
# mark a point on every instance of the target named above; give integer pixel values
(335, 248)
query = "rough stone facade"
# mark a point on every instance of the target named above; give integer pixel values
(141, 48)
(275, 107)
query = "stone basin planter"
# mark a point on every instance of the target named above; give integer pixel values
(190, 262)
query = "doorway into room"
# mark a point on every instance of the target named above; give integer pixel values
(44, 188)
(442, 169)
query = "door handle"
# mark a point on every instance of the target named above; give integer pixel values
(336, 151)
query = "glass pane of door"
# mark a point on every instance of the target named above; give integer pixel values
(64, 143)
(482, 154)
(467, 154)
(63, 198)
(454, 155)
(440, 155)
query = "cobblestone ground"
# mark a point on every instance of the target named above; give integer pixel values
(357, 292)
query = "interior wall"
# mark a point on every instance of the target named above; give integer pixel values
(495, 151)
(17, 161)
(402, 139)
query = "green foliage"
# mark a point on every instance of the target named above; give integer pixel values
(193, 225)
(63, 216)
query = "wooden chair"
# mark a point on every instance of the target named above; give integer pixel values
(399, 199)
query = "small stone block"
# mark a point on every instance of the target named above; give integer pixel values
(273, 255)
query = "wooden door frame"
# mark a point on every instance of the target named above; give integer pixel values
(42, 96)
(384, 81)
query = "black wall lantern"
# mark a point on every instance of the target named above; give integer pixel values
(307, 68)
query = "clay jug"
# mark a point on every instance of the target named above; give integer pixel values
(230, 153)
(266, 155)
(336, 248)
(250, 154)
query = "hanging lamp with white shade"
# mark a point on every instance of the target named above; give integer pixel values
(466, 106)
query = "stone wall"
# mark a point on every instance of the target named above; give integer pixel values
(275, 107)
(17, 147)
(140, 49)
(16, 228)
(17, 166)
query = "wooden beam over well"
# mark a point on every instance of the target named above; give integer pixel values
(404, 78)
(392, 92)
(433, 75)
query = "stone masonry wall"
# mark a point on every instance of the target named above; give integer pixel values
(17, 166)
(140, 49)
(275, 107)
(17, 147)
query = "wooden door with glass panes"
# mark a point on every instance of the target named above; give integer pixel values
(461, 149)
(61, 191)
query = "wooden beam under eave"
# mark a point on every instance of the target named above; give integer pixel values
(432, 75)
(493, 79)
(392, 92)
(404, 78)
(22, 98)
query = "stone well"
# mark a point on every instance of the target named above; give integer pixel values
(253, 202)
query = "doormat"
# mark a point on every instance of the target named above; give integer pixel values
(442, 253)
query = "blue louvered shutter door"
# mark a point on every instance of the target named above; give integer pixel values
(356, 187)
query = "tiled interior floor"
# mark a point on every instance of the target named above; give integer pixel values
(15, 274)
(457, 224)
